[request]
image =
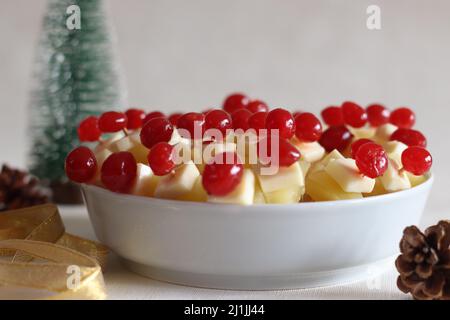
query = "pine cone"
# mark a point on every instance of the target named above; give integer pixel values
(18, 190)
(424, 263)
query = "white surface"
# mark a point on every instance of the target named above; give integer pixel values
(123, 284)
(254, 247)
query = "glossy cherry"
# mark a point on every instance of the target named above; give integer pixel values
(357, 144)
(403, 118)
(153, 115)
(135, 118)
(371, 160)
(156, 130)
(240, 119)
(112, 121)
(332, 116)
(288, 154)
(234, 102)
(220, 177)
(119, 172)
(257, 106)
(282, 120)
(88, 130)
(173, 118)
(417, 160)
(160, 159)
(337, 137)
(81, 165)
(410, 137)
(307, 127)
(257, 121)
(193, 122)
(377, 115)
(354, 115)
(218, 119)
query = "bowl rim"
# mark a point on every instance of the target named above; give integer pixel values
(304, 205)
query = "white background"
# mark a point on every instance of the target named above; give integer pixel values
(183, 55)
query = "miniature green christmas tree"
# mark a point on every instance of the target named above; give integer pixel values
(75, 77)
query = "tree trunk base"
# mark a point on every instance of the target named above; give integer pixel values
(66, 193)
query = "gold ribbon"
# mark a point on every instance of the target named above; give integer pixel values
(45, 259)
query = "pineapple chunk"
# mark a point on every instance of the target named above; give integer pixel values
(384, 132)
(284, 196)
(145, 182)
(286, 177)
(310, 151)
(197, 194)
(394, 150)
(416, 180)
(319, 166)
(363, 133)
(243, 194)
(394, 179)
(347, 175)
(177, 183)
(321, 187)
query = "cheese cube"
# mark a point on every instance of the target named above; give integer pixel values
(363, 133)
(394, 150)
(145, 182)
(347, 175)
(197, 194)
(321, 187)
(243, 194)
(310, 151)
(384, 132)
(286, 177)
(394, 179)
(177, 183)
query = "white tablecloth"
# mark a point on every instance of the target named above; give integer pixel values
(123, 284)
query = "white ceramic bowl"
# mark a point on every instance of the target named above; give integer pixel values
(254, 247)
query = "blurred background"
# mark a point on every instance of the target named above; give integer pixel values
(184, 55)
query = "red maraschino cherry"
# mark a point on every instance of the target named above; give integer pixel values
(371, 160)
(403, 118)
(119, 172)
(112, 121)
(135, 118)
(357, 144)
(354, 115)
(377, 115)
(240, 119)
(307, 127)
(282, 120)
(153, 115)
(160, 159)
(156, 130)
(218, 119)
(333, 116)
(221, 177)
(337, 138)
(235, 102)
(192, 122)
(417, 160)
(257, 106)
(88, 130)
(410, 137)
(81, 165)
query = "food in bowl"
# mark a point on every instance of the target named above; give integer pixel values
(247, 154)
